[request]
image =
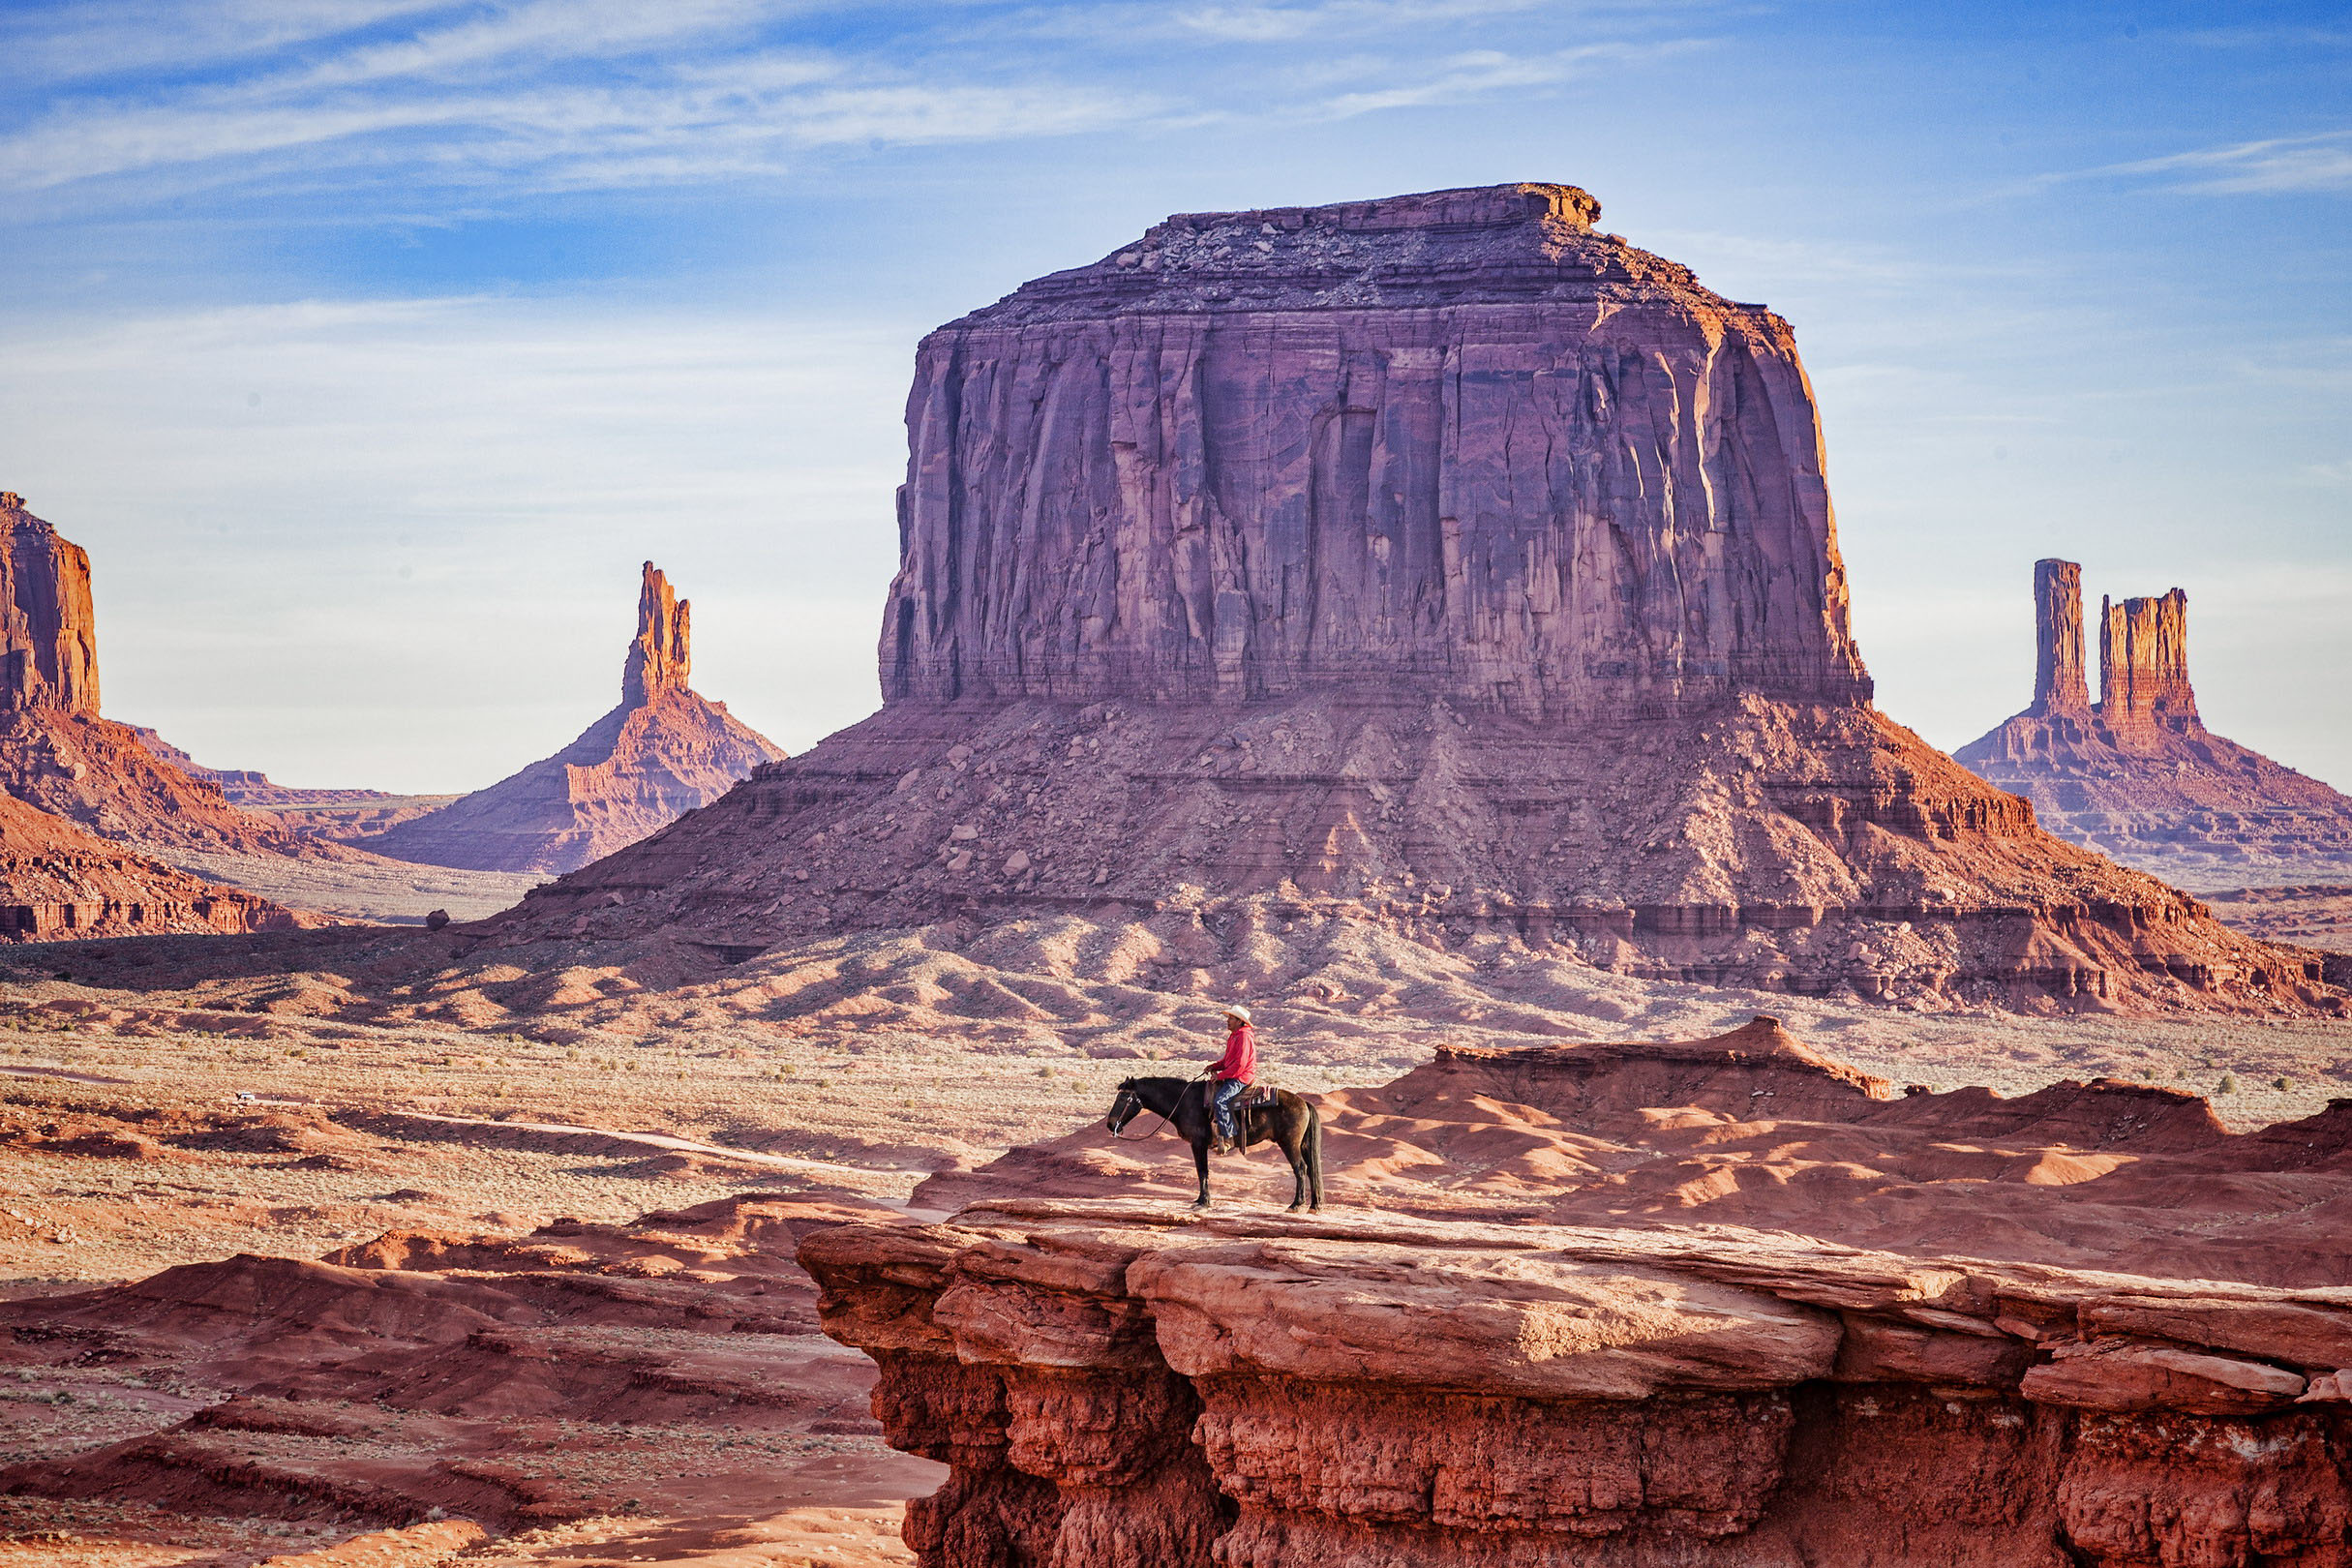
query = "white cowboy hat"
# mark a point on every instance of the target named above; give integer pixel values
(1237, 1011)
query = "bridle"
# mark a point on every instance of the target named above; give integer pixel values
(1125, 1110)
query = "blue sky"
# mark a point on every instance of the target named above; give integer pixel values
(369, 345)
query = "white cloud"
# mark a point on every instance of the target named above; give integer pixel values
(2321, 162)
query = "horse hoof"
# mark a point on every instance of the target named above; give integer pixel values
(1202, 1204)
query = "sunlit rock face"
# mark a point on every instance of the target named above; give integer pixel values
(1457, 442)
(48, 633)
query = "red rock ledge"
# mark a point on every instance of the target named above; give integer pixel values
(1116, 1387)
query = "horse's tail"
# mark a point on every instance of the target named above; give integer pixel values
(1314, 1155)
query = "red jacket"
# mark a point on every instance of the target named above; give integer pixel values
(1240, 1061)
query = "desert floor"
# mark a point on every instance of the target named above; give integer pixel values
(183, 1101)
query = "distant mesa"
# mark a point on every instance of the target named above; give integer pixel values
(2136, 774)
(1439, 562)
(663, 752)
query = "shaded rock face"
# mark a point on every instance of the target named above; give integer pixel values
(1116, 1386)
(1457, 444)
(1434, 562)
(663, 752)
(2138, 775)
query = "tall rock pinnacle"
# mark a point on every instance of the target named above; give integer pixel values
(2143, 666)
(49, 632)
(1436, 561)
(2058, 687)
(664, 751)
(2139, 777)
(659, 660)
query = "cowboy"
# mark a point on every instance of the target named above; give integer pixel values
(1231, 1077)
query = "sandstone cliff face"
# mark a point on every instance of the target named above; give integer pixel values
(1434, 562)
(1459, 443)
(48, 635)
(663, 752)
(1117, 1387)
(2139, 777)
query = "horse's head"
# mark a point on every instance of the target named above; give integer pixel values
(1123, 1106)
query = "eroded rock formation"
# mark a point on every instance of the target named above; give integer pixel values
(58, 882)
(1436, 562)
(2138, 775)
(1117, 1386)
(1457, 443)
(663, 752)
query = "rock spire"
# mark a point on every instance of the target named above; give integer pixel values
(2058, 687)
(2138, 775)
(1436, 561)
(48, 635)
(662, 752)
(659, 660)
(2142, 668)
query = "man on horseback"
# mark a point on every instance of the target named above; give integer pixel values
(1230, 1079)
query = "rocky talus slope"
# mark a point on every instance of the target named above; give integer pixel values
(2138, 776)
(1439, 562)
(664, 751)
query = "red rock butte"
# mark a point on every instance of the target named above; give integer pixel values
(1439, 562)
(662, 752)
(84, 792)
(2137, 774)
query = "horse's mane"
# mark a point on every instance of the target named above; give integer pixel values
(1130, 1083)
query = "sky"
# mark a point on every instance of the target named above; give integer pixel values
(369, 346)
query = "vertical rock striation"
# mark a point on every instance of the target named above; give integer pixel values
(2143, 670)
(1458, 442)
(663, 752)
(1437, 562)
(2138, 775)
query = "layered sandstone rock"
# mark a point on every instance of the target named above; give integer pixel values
(2138, 775)
(663, 752)
(58, 882)
(1117, 1386)
(1436, 562)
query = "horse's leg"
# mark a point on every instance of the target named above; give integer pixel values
(1200, 1163)
(1315, 1154)
(1294, 1150)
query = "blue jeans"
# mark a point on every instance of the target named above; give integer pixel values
(1222, 1100)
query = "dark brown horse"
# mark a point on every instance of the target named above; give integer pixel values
(1291, 1122)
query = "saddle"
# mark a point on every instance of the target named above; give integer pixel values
(1262, 1096)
